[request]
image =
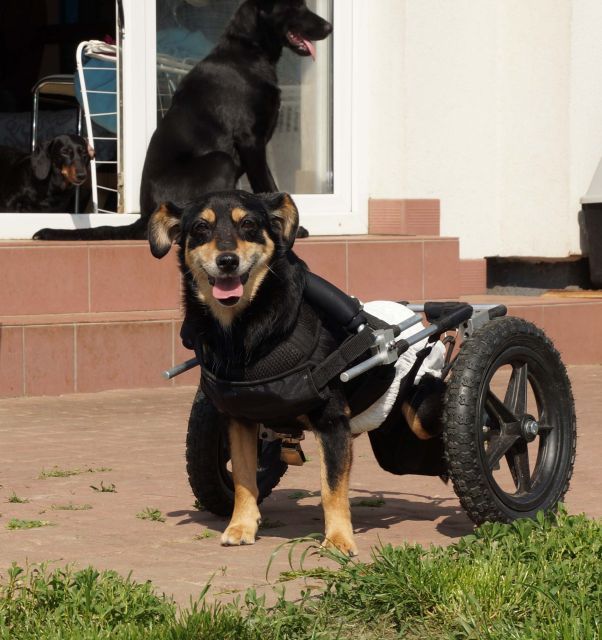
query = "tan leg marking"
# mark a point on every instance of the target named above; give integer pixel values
(337, 514)
(243, 452)
(414, 422)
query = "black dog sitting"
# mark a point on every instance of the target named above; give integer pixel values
(222, 115)
(46, 179)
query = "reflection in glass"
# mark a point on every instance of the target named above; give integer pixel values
(300, 152)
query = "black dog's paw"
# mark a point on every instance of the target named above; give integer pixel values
(302, 232)
(44, 234)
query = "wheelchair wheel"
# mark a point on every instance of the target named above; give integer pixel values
(509, 423)
(208, 457)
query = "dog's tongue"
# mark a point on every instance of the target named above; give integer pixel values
(310, 45)
(227, 288)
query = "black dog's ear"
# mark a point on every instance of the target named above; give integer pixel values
(284, 216)
(41, 162)
(164, 229)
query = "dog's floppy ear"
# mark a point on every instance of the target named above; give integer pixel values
(284, 216)
(41, 162)
(164, 228)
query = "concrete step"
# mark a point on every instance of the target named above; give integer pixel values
(78, 317)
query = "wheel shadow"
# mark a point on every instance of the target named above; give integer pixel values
(288, 513)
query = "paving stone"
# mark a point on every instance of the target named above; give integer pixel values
(137, 438)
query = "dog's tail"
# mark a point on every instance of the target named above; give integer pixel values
(135, 231)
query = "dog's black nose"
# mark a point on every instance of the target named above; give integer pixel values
(227, 262)
(81, 175)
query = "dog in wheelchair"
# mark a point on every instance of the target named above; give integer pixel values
(267, 351)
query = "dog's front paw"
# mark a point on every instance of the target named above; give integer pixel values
(240, 533)
(44, 234)
(341, 542)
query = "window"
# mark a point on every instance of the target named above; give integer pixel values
(310, 154)
(300, 152)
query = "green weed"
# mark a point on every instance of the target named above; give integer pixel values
(57, 472)
(151, 514)
(15, 523)
(266, 523)
(103, 488)
(205, 535)
(368, 502)
(70, 507)
(16, 500)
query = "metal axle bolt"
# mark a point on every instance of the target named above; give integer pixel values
(532, 427)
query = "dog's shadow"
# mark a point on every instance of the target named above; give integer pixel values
(286, 514)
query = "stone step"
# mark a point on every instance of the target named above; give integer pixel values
(80, 316)
(79, 277)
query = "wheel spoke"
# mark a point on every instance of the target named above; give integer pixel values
(518, 461)
(544, 425)
(498, 410)
(498, 446)
(516, 394)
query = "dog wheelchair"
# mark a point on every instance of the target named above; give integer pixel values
(506, 414)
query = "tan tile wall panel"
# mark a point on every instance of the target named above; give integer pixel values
(473, 277)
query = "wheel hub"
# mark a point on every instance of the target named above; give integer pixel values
(529, 428)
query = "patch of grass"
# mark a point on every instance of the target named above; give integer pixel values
(151, 514)
(204, 535)
(368, 502)
(529, 580)
(70, 507)
(15, 523)
(198, 506)
(104, 488)
(298, 495)
(57, 472)
(16, 500)
(266, 523)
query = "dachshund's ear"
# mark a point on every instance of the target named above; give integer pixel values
(164, 229)
(41, 162)
(284, 216)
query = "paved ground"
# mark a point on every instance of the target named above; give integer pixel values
(134, 440)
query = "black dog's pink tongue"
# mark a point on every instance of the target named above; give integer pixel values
(227, 288)
(310, 46)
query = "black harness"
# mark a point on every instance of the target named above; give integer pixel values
(291, 381)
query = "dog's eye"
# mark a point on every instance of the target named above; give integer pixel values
(248, 225)
(200, 228)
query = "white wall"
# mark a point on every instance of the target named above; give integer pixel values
(493, 106)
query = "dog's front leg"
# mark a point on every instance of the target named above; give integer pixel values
(243, 453)
(335, 446)
(255, 165)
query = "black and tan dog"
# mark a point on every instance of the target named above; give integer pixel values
(244, 294)
(46, 179)
(222, 116)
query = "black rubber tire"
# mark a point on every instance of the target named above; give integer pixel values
(207, 456)
(477, 428)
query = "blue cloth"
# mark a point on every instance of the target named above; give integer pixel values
(183, 44)
(177, 42)
(100, 80)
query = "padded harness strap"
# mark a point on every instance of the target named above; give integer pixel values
(339, 360)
